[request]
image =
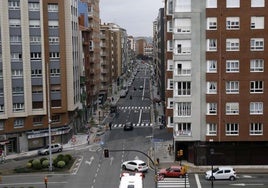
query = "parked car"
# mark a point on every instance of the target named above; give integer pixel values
(135, 165)
(128, 126)
(173, 172)
(221, 173)
(54, 148)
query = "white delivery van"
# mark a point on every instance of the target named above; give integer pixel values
(131, 180)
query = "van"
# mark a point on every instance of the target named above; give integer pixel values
(131, 180)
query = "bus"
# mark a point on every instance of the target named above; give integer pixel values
(131, 180)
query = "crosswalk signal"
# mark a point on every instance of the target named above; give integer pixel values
(106, 153)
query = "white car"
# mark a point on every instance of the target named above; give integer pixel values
(135, 165)
(221, 173)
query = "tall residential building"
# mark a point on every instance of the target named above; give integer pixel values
(90, 22)
(40, 77)
(216, 57)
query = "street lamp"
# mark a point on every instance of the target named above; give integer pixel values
(211, 159)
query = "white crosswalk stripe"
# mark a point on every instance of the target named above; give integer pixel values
(173, 182)
(134, 107)
(135, 125)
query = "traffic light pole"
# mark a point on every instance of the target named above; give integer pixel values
(106, 154)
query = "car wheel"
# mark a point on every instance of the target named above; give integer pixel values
(59, 150)
(232, 178)
(46, 153)
(124, 167)
(212, 178)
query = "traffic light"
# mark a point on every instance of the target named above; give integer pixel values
(106, 153)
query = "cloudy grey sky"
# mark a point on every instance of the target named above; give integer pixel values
(136, 16)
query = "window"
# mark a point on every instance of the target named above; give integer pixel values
(232, 129)
(170, 103)
(232, 23)
(232, 87)
(182, 47)
(169, 7)
(54, 55)
(16, 56)
(182, 25)
(53, 7)
(182, 5)
(212, 108)
(17, 91)
(212, 23)
(183, 68)
(232, 108)
(34, 6)
(256, 108)
(170, 65)
(54, 72)
(256, 129)
(36, 56)
(53, 23)
(211, 87)
(13, 5)
(15, 39)
(184, 109)
(37, 120)
(169, 45)
(257, 22)
(170, 84)
(55, 118)
(184, 129)
(54, 40)
(169, 26)
(212, 129)
(34, 23)
(183, 88)
(35, 39)
(232, 66)
(256, 65)
(212, 45)
(257, 44)
(14, 23)
(211, 3)
(17, 107)
(232, 44)
(257, 3)
(232, 3)
(256, 87)
(17, 73)
(19, 123)
(36, 73)
(211, 66)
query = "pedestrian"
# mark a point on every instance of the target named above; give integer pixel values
(88, 139)
(169, 149)
(110, 125)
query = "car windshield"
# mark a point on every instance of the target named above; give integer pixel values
(142, 164)
(215, 170)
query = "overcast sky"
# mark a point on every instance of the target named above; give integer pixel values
(136, 16)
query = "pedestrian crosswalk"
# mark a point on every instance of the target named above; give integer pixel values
(134, 125)
(173, 182)
(134, 107)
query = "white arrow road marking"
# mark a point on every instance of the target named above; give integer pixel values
(111, 162)
(247, 184)
(136, 158)
(90, 161)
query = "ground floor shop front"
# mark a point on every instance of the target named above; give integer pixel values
(222, 153)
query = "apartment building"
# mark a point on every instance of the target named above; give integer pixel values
(215, 66)
(39, 60)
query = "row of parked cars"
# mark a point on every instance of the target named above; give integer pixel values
(178, 171)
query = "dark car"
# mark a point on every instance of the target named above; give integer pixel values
(128, 126)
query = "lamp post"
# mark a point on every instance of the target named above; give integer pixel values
(48, 116)
(211, 159)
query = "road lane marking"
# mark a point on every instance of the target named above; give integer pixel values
(197, 181)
